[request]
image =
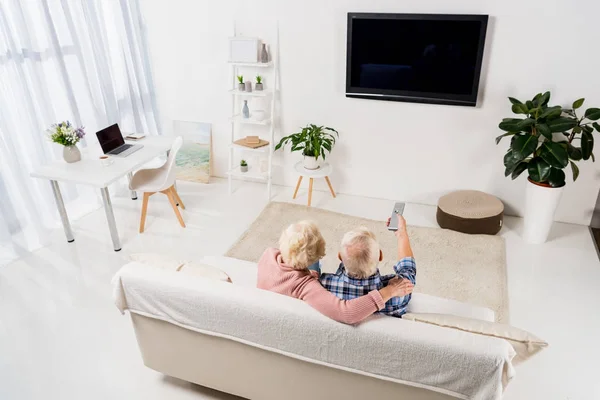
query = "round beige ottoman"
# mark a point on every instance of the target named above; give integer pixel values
(470, 211)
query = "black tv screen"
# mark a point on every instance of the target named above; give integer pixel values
(423, 58)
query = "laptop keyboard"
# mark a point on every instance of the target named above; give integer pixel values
(121, 149)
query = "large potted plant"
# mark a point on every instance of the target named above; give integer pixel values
(313, 141)
(545, 141)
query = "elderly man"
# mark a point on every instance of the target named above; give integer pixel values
(358, 274)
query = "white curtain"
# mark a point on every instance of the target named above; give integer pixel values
(80, 60)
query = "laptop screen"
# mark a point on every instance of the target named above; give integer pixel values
(110, 138)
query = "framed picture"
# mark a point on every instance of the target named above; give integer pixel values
(243, 49)
(193, 160)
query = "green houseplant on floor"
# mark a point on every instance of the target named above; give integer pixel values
(313, 141)
(544, 141)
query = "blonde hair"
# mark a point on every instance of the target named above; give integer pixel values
(360, 253)
(301, 245)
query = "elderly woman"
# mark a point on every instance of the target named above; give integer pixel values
(285, 271)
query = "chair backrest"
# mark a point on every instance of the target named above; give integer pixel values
(169, 166)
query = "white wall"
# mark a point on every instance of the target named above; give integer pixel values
(403, 151)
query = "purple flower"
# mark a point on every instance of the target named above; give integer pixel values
(80, 132)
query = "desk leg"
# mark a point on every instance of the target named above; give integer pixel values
(133, 192)
(310, 183)
(110, 217)
(62, 211)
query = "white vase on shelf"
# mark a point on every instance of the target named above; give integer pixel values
(245, 110)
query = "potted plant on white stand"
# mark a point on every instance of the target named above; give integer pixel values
(241, 84)
(259, 83)
(243, 166)
(68, 136)
(314, 142)
(543, 143)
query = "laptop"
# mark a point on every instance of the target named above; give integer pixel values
(112, 142)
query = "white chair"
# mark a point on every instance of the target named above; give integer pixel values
(155, 180)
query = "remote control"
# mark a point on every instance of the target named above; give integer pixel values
(398, 210)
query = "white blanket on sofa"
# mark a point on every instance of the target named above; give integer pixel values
(457, 363)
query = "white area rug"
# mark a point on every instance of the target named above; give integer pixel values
(468, 268)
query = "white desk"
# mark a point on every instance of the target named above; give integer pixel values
(90, 172)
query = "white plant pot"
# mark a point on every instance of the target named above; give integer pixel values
(311, 163)
(540, 205)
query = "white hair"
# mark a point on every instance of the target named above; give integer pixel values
(301, 245)
(360, 253)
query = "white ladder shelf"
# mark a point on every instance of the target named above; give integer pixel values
(238, 122)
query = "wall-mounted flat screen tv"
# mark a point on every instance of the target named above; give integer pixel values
(423, 58)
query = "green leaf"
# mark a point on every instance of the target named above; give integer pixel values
(522, 166)
(520, 109)
(596, 126)
(587, 128)
(575, 170)
(554, 154)
(587, 145)
(561, 124)
(526, 123)
(499, 138)
(538, 170)
(529, 104)
(576, 104)
(523, 146)
(556, 178)
(544, 130)
(577, 129)
(574, 152)
(510, 124)
(537, 100)
(592, 113)
(544, 99)
(514, 101)
(551, 112)
(510, 162)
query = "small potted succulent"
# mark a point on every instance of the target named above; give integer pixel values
(259, 84)
(314, 142)
(68, 136)
(243, 166)
(241, 84)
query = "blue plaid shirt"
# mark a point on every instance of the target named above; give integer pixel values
(347, 288)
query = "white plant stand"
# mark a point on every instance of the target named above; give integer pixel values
(313, 174)
(238, 122)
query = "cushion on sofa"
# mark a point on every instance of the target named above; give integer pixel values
(157, 260)
(186, 267)
(525, 344)
(426, 303)
(203, 270)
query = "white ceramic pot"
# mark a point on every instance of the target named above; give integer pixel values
(71, 154)
(311, 163)
(540, 204)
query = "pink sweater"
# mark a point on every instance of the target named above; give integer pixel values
(278, 277)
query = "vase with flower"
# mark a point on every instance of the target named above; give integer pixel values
(67, 135)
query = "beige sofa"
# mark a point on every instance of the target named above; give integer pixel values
(185, 328)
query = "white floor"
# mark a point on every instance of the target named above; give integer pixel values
(62, 338)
